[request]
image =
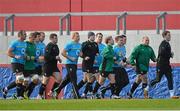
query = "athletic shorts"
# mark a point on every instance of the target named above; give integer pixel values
(17, 68)
(106, 73)
(96, 69)
(28, 73)
(39, 70)
(87, 66)
(138, 71)
(163, 69)
(71, 68)
(121, 75)
(49, 69)
(71, 72)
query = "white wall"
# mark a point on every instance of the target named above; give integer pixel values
(133, 39)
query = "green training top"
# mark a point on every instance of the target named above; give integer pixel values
(30, 53)
(141, 56)
(108, 61)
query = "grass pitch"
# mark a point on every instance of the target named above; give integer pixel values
(95, 104)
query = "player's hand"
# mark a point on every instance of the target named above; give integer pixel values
(128, 61)
(124, 64)
(32, 58)
(116, 62)
(87, 58)
(155, 60)
(72, 59)
(17, 57)
(95, 62)
(102, 74)
(124, 59)
(172, 54)
(80, 54)
(28, 58)
(40, 58)
(58, 58)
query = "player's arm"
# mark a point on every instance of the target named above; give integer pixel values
(83, 49)
(97, 50)
(48, 55)
(153, 57)
(133, 56)
(41, 57)
(64, 54)
(10, 52)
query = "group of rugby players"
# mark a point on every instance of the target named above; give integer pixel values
(33, 62)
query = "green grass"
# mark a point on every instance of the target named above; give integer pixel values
(105, 104)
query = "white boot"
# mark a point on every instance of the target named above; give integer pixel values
(171, 93)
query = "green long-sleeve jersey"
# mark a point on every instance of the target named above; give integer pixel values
(108, 61)
(141, 56)
(30, 53)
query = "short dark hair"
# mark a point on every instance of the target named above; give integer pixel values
(37, 33)
(52, 35)
(74, 33)
(165, 33)
(41, 32)
(20, 33)
(99, 34)
(118, 37)
(90, 34)
(32, 34)
(123, 35)
(107, 39)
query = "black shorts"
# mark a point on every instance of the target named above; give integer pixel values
(87, 66)
(39, 70)
(71, 72)
(121, 75)
(17, 68)
(49, 69)
(106, 73)
(163, 69)
(29, 73)
(96, 69)
(71, 68)
(138, 71)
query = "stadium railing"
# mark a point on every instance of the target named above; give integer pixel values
(66, 16)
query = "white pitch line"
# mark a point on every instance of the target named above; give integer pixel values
(89, 110)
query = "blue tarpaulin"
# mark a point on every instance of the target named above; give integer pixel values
(159, 91)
